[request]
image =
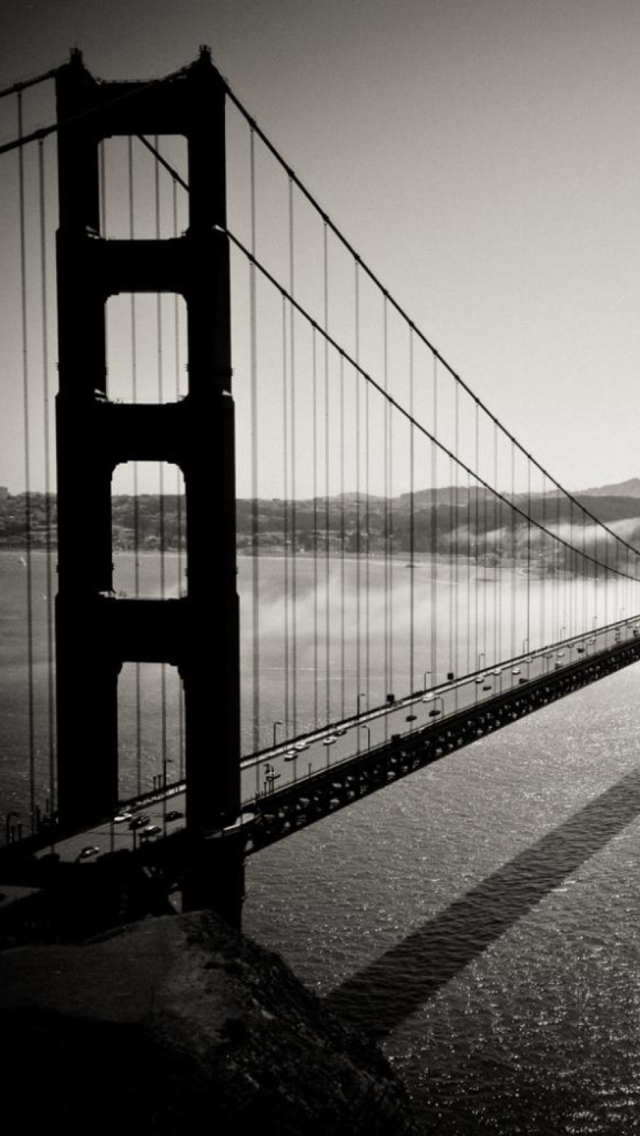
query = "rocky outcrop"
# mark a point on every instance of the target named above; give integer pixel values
(176, 1022)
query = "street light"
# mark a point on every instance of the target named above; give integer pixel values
(424, 681)
(275, 731)
(368, 729)
(362, 694)
(9, 826)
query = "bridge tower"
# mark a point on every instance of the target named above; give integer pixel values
(95, 631)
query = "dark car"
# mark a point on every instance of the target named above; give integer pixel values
(88, 851)
(139, 821)
(150, 830)
(175, 814)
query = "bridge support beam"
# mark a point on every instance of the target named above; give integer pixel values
(95, 632)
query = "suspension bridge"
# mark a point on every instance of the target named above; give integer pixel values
(270, 553)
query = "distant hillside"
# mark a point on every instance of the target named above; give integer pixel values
(455, 521)
(629, 488)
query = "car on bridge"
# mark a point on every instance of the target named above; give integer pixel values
(150, 830)
(139, 821)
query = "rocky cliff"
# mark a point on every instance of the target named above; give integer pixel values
(178, 1024)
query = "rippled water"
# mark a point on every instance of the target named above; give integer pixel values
(481, 919)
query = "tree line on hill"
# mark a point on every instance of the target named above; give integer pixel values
(449, 521)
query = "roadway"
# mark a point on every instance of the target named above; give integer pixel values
(264, 774)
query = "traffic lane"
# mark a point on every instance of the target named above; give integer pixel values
(282, 767)
(111, 836)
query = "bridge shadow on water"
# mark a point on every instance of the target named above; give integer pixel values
(378, 998)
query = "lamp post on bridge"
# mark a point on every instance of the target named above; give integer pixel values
(9, 828)
(275, 731)
(368, 729)
(478, 676)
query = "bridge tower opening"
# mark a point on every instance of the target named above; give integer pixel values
(97, 631)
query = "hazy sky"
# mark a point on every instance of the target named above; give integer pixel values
(484, 156)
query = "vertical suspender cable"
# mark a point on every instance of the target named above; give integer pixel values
(285, 515)
(485, 587)
(47, 481)
(385, 444)
(453, 537)
(543, 565)
(565, 566)
(434, 528)
(358, 548)
(570, 623)
(294, 562)
(451, 559)
(559, 573)
(528, 635)
(390, 499)
(367, 527)
(469, 562)
(326, 474)
(585, 576)
(497, 571)
(314, 376)
(476, 526)
(255, 534)
(514, 522)
(599, 576)
(455, 530)
(606, 579)
(342, 545)
(27, 471)
(412, 523)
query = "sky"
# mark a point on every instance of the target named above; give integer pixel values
(482, 155)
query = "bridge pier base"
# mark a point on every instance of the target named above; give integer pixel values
(214, 875)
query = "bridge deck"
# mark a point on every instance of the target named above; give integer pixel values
(440, 723)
